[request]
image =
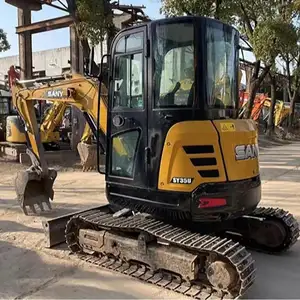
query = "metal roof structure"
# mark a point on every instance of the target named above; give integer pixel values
(25, 28)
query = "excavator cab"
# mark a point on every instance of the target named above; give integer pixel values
(180, 136)
(165, 136)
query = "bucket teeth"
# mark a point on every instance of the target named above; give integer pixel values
(32, 208)
(41, 206)
(33, 189)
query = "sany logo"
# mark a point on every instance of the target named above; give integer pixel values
(54, 93)
(243, 152)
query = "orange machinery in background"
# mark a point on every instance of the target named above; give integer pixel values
(261, 108)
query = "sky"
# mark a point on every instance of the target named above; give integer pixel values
(55, 38)
(60, 38)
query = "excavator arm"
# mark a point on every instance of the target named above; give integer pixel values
(52, 119)
(52, 116)
(78, 91)
(35, 185)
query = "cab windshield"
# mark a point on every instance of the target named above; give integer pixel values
(175, 60)
(222, 67)
(174, 73)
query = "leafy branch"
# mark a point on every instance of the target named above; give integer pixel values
(4, 45)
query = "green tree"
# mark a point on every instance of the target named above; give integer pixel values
(93, 21)
(259, 22)
(4, 45)
(291, 56)
(292, 69)
(220, 9)
(269, 40)
(268, 27)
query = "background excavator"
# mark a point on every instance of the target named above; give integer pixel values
(261, 109)
(181, 170)
(49, 119)
(55, 90)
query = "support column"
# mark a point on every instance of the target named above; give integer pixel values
(76, 52)
(25, 44)
(76, 58)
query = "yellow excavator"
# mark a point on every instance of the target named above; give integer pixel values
(181, 170)
(85, 98)
(14, 141)
(50, 119)
(15, 132)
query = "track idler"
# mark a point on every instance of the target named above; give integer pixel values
(33, 188)
(266, 229)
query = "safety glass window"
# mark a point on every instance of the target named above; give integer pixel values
(174, 71)
(124, 153)
(128, 82)
(129, 43)
(222, 67)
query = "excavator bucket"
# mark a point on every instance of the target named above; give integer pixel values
(88, 156)
(33, 188)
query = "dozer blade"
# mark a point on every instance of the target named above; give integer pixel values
(34, 188)
(88, 156)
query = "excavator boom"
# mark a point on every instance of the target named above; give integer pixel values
(35, 185)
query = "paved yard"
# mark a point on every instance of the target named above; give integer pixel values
(28, 270)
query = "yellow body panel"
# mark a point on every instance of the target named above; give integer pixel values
(13, 134)
(175, 162)
(245, 133)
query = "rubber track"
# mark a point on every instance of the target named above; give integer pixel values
(286, 218)
(237, 254)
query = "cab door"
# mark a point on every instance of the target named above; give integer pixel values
(127, 133)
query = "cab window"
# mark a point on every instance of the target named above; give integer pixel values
(174, 71)
(128, 83)
(128, 72)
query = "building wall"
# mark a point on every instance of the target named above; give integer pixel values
(51, 61)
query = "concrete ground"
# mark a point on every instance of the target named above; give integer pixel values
(29, 270)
